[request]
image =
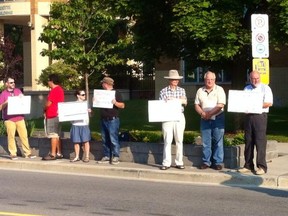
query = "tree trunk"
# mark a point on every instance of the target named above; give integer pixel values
(86, 76)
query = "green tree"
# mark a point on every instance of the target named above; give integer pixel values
(87, 34)
(210, 31)
(68, 75)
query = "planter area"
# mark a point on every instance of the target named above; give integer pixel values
(144, 153)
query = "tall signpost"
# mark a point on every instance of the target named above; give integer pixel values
(260, 45)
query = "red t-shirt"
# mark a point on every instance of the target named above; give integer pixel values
(56, 95)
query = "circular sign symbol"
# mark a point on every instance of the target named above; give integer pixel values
(260, 48)
(259, 22)
(260, 38)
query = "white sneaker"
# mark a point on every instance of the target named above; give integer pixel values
(243, 170)
(115, 160)
(260, 171)
(105, 159)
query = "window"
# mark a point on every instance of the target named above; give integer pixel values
(193, 72)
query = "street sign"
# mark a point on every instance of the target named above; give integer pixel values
(262, 66)
(260, 44)
(259, 22)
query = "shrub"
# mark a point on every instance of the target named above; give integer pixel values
(2, 128)
(189, 137)
(30, 125)
(145, 136)
(238, 139)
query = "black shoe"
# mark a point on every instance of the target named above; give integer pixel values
(217, 167)
(59, 156)
(180, 166)
(49, 157)
(204, 166)
(164, 167)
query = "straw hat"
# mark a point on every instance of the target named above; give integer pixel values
(173, 74)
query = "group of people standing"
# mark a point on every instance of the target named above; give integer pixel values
(209, 104)
(79, 133)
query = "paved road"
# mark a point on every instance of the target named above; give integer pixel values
(39, 193)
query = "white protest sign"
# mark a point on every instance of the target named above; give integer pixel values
(19, 105)
(72, 111)
(245, 101)
(162, 111)
(103, 98)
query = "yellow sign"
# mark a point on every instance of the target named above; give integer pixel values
(262, 65)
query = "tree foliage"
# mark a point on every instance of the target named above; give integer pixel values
(68, 75)
(11, 62)
(87, 34)
(209, 30)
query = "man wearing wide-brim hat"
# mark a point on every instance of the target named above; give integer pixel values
(174, 129)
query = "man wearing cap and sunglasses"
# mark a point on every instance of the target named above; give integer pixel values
(173, 128)
(110, 124)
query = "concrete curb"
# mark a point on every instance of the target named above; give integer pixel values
(148, 172)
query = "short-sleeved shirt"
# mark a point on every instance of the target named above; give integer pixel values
(168, 92)
(209, 100)
(56, 95)
(265, 90)
(114, 112)
(3, 97)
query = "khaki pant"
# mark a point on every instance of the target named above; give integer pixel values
(11, 128)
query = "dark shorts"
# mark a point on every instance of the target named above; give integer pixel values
(80, 134)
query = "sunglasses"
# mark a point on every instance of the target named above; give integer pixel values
(82, 94)
(11, 82)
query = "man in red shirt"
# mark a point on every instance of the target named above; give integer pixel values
(53, 127)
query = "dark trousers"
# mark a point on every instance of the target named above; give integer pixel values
(255, 135)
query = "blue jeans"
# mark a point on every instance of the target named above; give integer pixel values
(110, 140)
(212, 132)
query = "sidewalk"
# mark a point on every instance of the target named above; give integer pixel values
(277, 176)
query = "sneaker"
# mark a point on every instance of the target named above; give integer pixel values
(31, 156)
(115, 160)
(59, 156)
(49, 157)
(260, 171)
(244, 170)
(104, 160)
(13, 157)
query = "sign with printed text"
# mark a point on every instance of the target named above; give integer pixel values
(262, 66)
(19, 105)
(72, 111)
(103, 98)
(162, 111)
(241, 101)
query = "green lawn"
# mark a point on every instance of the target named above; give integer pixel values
(135, 117)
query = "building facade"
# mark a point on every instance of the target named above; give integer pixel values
(32, 15)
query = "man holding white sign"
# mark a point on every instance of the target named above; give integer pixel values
(110, 123)
(255, 128)
(174, 129)
(14, 122)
